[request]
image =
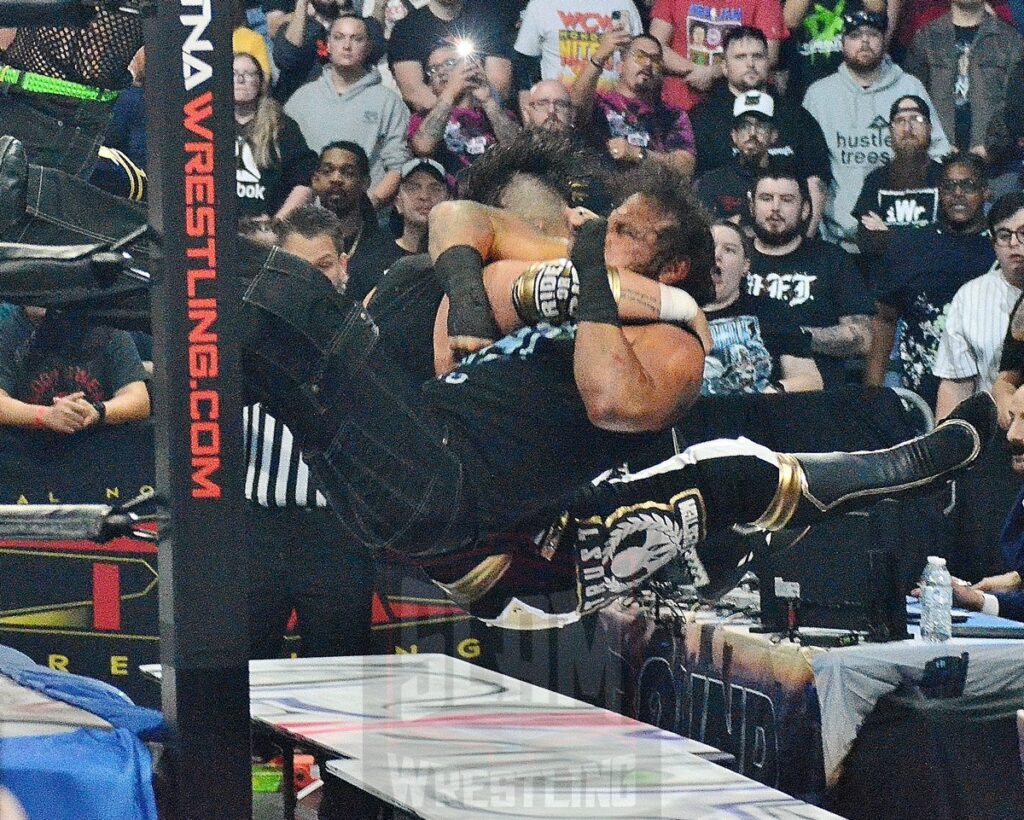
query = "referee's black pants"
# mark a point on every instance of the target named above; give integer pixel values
(299, 559)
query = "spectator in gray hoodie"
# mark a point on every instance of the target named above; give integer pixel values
(852, 106)
(348, 102)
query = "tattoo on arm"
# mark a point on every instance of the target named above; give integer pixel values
(641, 303)
(505, 128)
(851, 337)
(433, 126)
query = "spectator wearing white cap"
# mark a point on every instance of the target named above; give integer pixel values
(723, 191)
(424, 184)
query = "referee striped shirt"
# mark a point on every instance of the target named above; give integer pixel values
(975, 327)
(276, 474)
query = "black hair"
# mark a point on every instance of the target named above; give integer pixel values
(551, 157)
(737, 33)
(254, 228)
(972, 161)
(748, 246)
(353, 148)
(311, 221)
(689, 238)
(1003, 208)
(779, 167)
(351, 15)
(655, 40)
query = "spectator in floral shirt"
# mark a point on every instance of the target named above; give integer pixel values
(630, 121)
(467, 118)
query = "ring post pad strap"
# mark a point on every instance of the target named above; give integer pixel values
(41, 84)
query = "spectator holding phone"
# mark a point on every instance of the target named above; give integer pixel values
(467, 118)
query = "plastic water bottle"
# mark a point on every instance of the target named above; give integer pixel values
(936, 601)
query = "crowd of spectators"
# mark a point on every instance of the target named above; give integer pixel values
(851, 152)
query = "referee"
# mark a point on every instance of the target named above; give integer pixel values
(299, 558)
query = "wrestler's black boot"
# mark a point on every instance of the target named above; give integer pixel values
(812, 485)
(13, 175)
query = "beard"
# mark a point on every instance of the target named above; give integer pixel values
(338, 202)
(774, 239)
(863, 63)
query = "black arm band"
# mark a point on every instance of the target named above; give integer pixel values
(460, 272)
(596, 302)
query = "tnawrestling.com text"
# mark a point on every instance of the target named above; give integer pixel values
(532, 781)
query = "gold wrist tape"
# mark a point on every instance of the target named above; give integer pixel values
(787, 496)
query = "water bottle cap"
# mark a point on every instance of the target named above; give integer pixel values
(936, 560)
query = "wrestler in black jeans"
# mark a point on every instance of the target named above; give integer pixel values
(400, 481)
(57, 132)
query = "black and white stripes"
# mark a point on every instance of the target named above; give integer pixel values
(276, 475)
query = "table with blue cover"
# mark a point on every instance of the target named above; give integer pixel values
(73, 748)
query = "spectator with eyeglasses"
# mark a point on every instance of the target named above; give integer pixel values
(903, 194)
(630, 123)
(723, 191)
(1008, 239)
(548, 105)
(475, 25)
(923, 270)
(468, 117)
(273, 163)
(968, 362)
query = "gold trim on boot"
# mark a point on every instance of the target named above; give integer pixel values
(478, 581)
(787, 497)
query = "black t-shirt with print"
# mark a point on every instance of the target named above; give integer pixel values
(723, 191)
(924, 270)
(62, 357)
(813, 50)
(899, 209)
(264, 190)
(811, 287)
(745, 356)
(962, 47)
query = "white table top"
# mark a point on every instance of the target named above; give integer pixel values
(443, 738)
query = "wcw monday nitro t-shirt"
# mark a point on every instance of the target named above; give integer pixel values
(566, 33)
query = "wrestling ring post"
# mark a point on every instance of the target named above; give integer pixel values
(197, 401)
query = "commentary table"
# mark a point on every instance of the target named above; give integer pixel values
(791, 713)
